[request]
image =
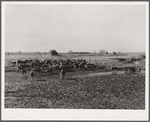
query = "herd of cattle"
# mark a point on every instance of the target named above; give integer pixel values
(48, 65)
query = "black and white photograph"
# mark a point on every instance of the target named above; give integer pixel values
(75, 60)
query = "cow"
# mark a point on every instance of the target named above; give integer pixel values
(130, 69)
(23, 71)
(38, 70)
(81, 65)
(76, 65)
(48, 70)
(100, 67)
(12, 63)
(55, 67)
(47, 61)
(21, 67)
(138, 69)
(115, 69)
(21, 62)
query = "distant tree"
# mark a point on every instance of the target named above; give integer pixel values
(45, 53)
(103, 52)
(114, 53)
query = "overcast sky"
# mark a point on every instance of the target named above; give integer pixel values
(90, 28)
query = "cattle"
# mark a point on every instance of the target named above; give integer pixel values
(49, 65)
(20, 68)
(138, 69)
(12, 63)
(55, 67)
(81, 65)
(76, 65)
(21, 62)
(38, 70)
(114, 68)
(46, 61)
(23, 71)
(35, 64)
(27, 67)
(67, 68)
(47, 70)
(130, 69)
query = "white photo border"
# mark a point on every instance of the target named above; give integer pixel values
(76, 114)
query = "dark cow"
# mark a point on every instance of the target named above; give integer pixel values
(133, 69)
(114, 68)
(48, 70)
(21, 67)
(47, 61)
(55, 67)
(23, 71)
(81, 66)
(76, 65)
(21, 62)
(130, 69)
(38, 70)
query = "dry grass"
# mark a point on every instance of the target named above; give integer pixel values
(99, 92)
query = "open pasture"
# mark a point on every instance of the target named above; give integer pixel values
(106, 60)
(79, 90)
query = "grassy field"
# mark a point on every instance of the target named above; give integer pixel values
(79, 90)
(99, 92)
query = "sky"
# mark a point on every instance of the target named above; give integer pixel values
(78, 28)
